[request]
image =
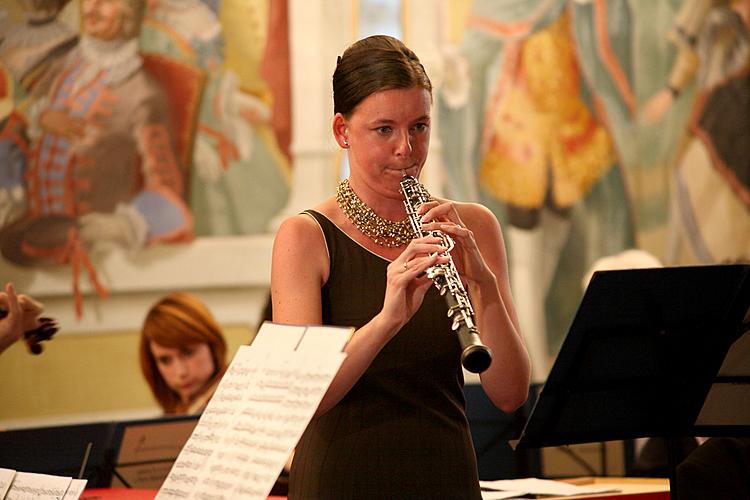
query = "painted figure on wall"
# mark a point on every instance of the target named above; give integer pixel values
(232, 143)
(710, 219)
(127, 123)
(544, 156)
(102, 168)
(238, 170)
(27, 50)
(12, 154)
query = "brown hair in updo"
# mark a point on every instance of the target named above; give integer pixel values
(372, 64)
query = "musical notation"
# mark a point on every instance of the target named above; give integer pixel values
(15, 485)
(259, 410)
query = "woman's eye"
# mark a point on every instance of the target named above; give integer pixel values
(421, 127)
(383, 130)
(163, 361)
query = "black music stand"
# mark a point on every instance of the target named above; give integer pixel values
(75, 450)
(644, 351)
(143, 451)
(129, 453)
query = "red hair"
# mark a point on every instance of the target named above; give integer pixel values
(177, 321)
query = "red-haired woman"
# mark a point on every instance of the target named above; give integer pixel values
(182, 353)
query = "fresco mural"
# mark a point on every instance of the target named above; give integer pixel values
(588, 126)
(544, 159)
(565, 132)
(710, 219)
(132, 122)
(240, 164)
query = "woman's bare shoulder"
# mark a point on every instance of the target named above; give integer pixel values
(300, 229)
(300, 235)
(299, 261)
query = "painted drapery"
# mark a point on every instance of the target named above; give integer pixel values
(535, 142)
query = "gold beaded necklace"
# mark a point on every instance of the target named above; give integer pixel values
(382, 231)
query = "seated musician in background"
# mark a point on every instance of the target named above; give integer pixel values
(182, 353)
(392, 423)
(20, 316)
(183, 357)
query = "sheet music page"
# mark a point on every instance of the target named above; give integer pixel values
(75, 489)
(252, 423)
(501, 495)
(325, 338)
(278, 337)
(6, 477)
(27, 485)
(535, 486)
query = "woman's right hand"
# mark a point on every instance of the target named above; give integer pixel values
(406, 281)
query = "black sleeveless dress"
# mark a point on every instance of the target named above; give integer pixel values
(401, 431)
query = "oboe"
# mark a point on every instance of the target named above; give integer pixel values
(475, 356)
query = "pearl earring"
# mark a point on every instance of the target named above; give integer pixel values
(346, 143)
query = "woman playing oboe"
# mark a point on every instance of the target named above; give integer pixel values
(392, 424)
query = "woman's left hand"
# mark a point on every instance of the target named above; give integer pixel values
(443, 216)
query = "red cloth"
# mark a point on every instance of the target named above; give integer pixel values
(129, 494)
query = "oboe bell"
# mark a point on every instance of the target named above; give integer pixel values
(475, 356)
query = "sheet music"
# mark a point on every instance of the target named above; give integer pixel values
(75, 489)
(252, 423)
(274, 336)
(27, 485)
(501, 495)
(6, 477)
(537, 486)
(325, 338)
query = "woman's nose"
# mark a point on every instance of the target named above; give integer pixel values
(404, 144)
(181, 368)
